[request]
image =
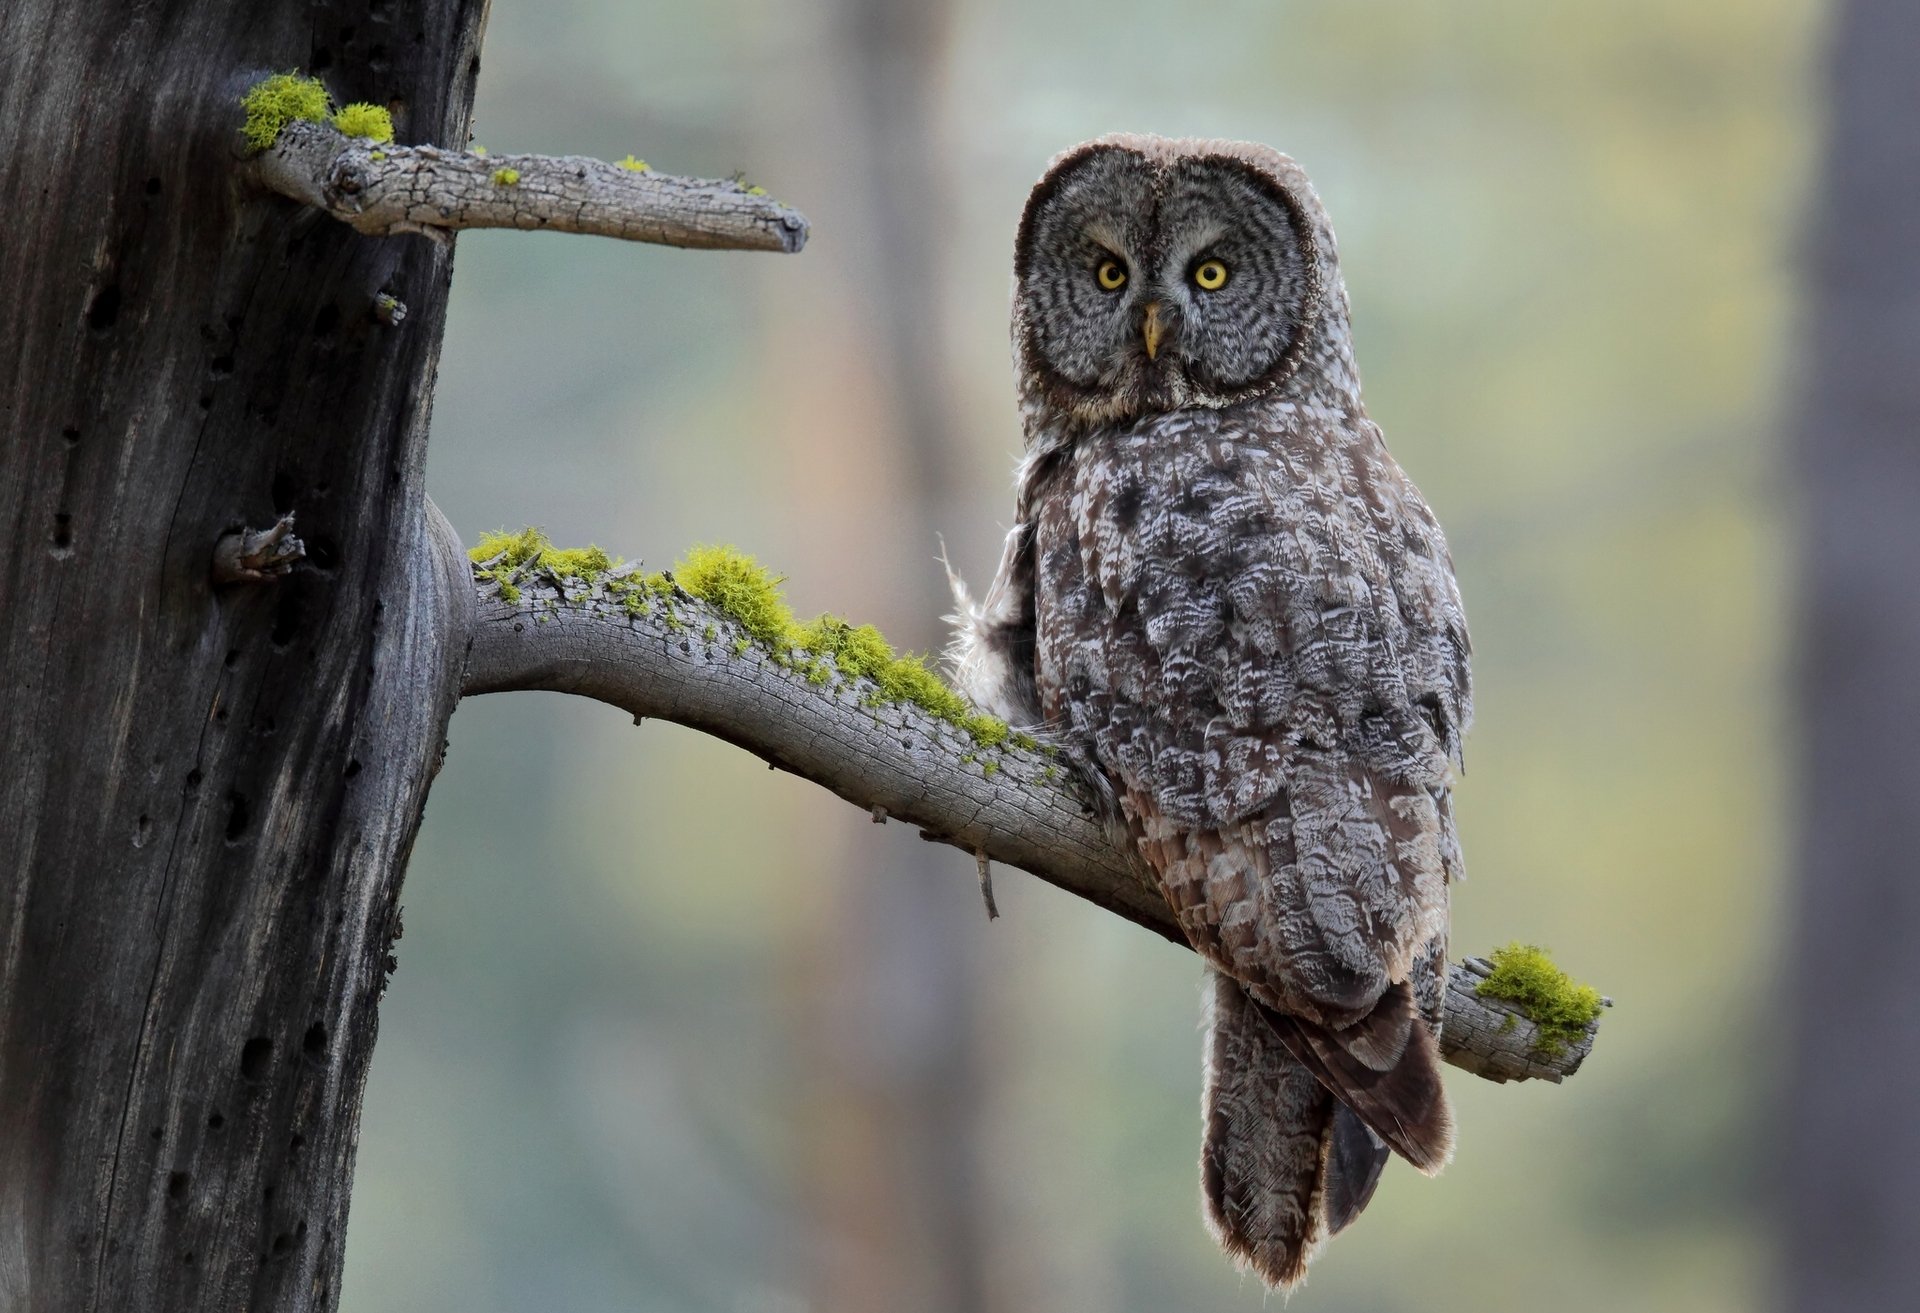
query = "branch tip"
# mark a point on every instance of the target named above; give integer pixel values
(985, 868)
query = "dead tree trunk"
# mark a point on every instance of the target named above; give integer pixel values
(1850, 1212)
(213, 764)
(209, 790)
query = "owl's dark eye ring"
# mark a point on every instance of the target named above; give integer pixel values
(1210, 275)
(1111, 275)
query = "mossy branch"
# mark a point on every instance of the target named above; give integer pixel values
(711, 645)
(383, 189)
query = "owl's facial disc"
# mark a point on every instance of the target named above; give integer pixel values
(1147, 285)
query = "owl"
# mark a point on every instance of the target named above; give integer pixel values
(1228, 605)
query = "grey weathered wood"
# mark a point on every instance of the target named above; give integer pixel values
(386, 189)
(207, 791)
(1020, 807)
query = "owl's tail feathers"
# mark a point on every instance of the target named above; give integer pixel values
(1386, 1069)
(1283, 1164)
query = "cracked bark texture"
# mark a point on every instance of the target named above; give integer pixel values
(385, 189)
(209, 791)
(693, 665)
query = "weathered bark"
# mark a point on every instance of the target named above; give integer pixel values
(208, 790)
(694, 665)
(1849, 1211)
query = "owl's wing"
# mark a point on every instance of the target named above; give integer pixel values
(1269, 659)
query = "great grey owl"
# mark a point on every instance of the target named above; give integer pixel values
(1227, 603)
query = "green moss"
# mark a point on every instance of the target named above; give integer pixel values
(273, 102)
(506, 556)
(989, 768)
(587, 563)
(756, 191)
(506, 177)
(363, 120)
(1526, 977)
(377, 155)
(739, 587)
(514, 549)
(631, 165)
(750, 593)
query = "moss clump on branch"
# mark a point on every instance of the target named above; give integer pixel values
(1526, 977)
(745, 591)
(273, 102)
(506, 177)
(631, 165)
(750, 593)
(360, 119)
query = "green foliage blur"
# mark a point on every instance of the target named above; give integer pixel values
(606, 1070)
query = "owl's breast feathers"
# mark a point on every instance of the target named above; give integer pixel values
(1247, 619)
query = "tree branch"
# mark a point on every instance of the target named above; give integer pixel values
(667, 654)
(381, 189)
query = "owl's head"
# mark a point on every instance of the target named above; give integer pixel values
(1152, 274)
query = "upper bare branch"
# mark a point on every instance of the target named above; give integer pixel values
(381, 189)
(666, 654)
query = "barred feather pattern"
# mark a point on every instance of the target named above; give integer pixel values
(1234, 609)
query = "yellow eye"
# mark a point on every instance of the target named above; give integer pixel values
(1111, 275)
(1210, 275)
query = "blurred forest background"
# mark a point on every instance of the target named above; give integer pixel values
(674, 1032)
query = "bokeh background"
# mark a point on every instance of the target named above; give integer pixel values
(674, 1032)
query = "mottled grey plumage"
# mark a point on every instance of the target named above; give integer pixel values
(1225, 599)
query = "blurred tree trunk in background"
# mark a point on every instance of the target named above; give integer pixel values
(1850, 1220)
(900, 1188)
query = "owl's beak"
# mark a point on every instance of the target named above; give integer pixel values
(1152, 329)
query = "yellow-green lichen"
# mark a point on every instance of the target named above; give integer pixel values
(1526, 977)
(506, 177)
(273, 102)
(363, 120)
(631, 165)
